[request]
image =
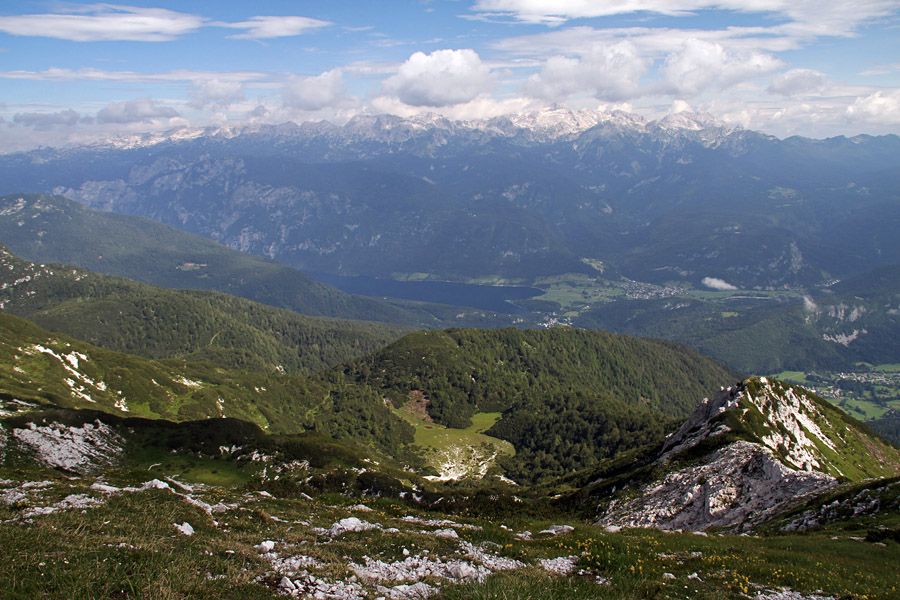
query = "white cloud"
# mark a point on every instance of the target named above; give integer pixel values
(105, 22)
(47, 121)
(442, 78)
(718, 284)
(217, 93)
(92, 74)
(607, 72)
(482, 107)
(654, 42)
(806, 17)
(140, 110)
(556, 12)
(700, 65)
(797, 81)
(882, 108)
(110, 22)
(273, 27)
(315, 93)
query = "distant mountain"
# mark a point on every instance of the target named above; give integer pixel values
(512, 198)
(744, 456)
(47, 229)
(154, 322)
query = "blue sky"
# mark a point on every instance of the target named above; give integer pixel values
(72, 72)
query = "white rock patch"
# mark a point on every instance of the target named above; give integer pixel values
(738, 485)
(76, 449)
(564, 565)
(184, 528)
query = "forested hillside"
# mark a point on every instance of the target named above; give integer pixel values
(154, 322)
(831, 328)
(569, 398)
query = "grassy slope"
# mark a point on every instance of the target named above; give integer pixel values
(54, 370)
(861, 454)
(127, 546)
(468, 446)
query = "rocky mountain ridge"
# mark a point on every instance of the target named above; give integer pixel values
(746, 455)
(547, 125)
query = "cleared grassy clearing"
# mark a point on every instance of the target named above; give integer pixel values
(437, 441)
(791, 376)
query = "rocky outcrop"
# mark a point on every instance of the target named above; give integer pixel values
(770, 444)
(75, 449)
(738, 485)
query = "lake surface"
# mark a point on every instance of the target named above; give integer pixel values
(487, 297)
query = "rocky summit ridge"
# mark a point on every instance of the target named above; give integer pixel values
(745, 455)
(541, 126)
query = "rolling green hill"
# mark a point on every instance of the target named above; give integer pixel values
(156, 322)
(568, 398)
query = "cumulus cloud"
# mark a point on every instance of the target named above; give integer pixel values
(700, 64)
(273, 27)
(718, 284)
(482, 107)
(607, 72)
(140, 110)
(105, 22)
(217, 93)
(797, 81)
(314, 93)
(442, 78)
(882, 107)
(47, 121)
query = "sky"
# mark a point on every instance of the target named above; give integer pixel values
(73, 72)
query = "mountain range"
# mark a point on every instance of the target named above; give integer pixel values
(684, 198)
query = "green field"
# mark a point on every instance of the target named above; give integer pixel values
(468, 445)
(791, 376)
(576, 292)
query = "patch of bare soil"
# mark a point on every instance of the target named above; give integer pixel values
(417, 406)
